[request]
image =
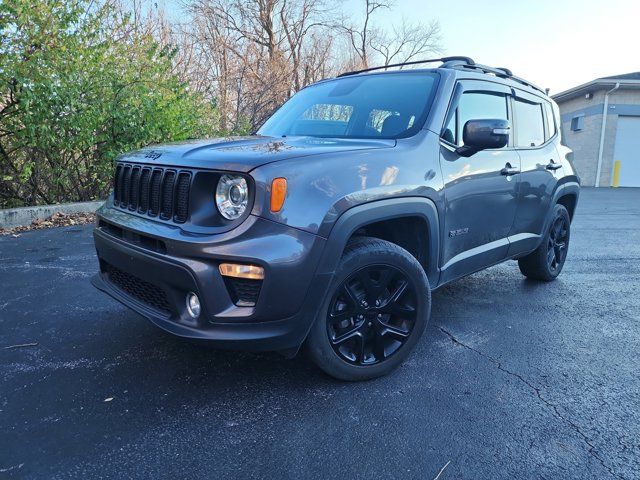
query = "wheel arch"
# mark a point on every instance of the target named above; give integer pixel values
(566, 193)
(569, 200)
(370, 217)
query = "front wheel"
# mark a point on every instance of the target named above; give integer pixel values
(545, 263)
(374, 313)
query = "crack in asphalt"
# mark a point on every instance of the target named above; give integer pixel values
(591, 448)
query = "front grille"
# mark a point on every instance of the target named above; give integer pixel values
(155, 192)
(146, 292)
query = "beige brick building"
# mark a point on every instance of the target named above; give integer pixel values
(599, 140)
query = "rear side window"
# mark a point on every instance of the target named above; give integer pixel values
(475, 106)
(529, 123)
(551, 122)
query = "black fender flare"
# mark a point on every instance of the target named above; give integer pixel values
(359, 216)
(566, 188)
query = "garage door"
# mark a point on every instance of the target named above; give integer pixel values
(627, 150)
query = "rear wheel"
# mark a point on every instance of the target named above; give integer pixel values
(374, 313)
(546, 262)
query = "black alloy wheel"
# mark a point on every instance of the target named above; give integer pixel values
(557, 244)
(545, 262)
(372, 314)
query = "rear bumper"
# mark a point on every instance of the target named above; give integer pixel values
(155, 283)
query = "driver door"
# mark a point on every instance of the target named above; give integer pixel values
(480, 191)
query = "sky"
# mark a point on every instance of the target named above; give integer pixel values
(556, 44)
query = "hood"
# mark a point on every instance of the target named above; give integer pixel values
(242, 154)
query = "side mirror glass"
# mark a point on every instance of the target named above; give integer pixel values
(480, 135)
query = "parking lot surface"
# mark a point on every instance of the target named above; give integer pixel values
(512, 379)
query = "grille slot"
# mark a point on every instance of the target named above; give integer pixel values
(182, 197)
(126, 175)
(117, 181)
(153, 191)
(142, 290)
(134, 188)
(145, 178)
(154, 195)
(167, 194)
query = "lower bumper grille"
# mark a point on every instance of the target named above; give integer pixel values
(244, 292)
(142, 290)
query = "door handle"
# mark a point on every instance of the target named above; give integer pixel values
(509, 170)
(553, 165)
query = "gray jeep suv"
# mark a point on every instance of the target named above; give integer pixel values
(330, 227)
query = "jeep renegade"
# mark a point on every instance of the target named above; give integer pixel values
(330, 227)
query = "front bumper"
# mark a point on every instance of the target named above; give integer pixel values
(151, 267)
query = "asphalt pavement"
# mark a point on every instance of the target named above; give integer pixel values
(512, 379)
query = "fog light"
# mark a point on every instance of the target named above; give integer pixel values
(193, 305)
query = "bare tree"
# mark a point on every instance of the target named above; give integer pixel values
(300, 19)
(263, 51)
(359, 36)
(407, 41)
(401, 43)
(249, 56)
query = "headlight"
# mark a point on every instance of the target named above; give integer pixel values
(232, 196)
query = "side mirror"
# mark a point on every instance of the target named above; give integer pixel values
(480, 135)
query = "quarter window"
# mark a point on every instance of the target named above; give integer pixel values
(529, 123)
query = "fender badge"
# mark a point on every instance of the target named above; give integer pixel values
(460, 231)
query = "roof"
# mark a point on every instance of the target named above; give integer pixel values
(626, 81)
(624, 76)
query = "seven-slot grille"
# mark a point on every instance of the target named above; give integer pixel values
(153, 191)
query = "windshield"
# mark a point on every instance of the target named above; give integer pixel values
(387, 105)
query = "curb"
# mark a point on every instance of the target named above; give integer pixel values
(23, 216)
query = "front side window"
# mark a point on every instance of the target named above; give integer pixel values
(474, 106)
(529, 123)
(386, 105)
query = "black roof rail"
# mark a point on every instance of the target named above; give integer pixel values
(455, 62)
(502, 73)
(444, 60)
(505, 70)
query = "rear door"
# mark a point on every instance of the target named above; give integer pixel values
(535, 134)
(480, 198)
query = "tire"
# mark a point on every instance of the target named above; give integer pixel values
(545, 262)
(356, 338)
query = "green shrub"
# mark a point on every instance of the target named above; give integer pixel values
(78, 86)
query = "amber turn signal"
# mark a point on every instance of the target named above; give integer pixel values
(278, 193)
(251, 272)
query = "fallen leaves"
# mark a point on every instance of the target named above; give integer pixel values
(58, 219)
